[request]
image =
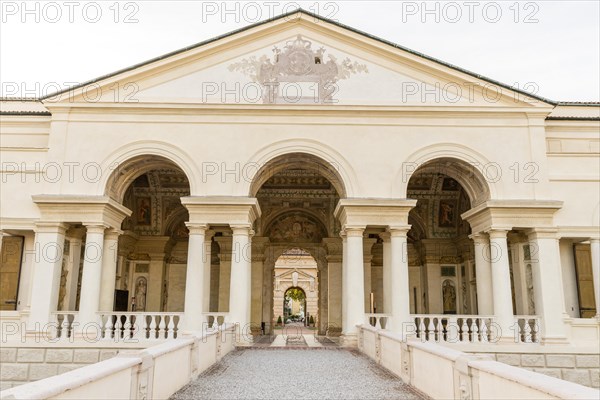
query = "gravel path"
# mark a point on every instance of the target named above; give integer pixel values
(296, 374)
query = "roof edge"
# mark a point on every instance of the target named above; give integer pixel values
(321, 18)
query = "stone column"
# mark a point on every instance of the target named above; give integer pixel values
(323, 305)
(387, 272)
(368, 259)
(48, 253)
(257, 277)
(224, 272)
(502, 295)
(548, 293)
(334, 283)
(241, 283)
(109, 269)
(400, 297)
(267, 288)
(344, 285)
(595, 250)
(206, 262)
(483, 270)
(75, 237)
(354, 284)
(194, 279)
(89, 302)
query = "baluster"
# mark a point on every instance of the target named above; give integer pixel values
(430, 331)
(161, 327)
(118, 330)
(422, 328)
(474, 331)
(171, 327)
(535, 331)
(377, 322)
(440, 331)
(464, 334)
(527, 336)
(152, 334)
(107, 326)
(134, 329)
(484, 331)
(66, 327)
(127, 328)
(176, 324)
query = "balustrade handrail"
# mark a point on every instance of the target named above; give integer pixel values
(139, 313)
(452, 316)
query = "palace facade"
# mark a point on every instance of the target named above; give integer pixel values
(424, 193)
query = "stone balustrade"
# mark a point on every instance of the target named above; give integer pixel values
(127, 326)
(527, 329)
(379, 321)
(453, 328)
(215, 320)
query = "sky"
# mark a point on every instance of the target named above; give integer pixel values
(550, 48)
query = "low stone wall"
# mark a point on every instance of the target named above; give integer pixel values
(583, 369)
(443, 372)
(152, 373)
(28, 364)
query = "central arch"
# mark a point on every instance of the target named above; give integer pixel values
(297, 193)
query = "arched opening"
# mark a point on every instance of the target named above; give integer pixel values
(294, 305)
(301, 165)
(296, 289)
(297, 194)
(152, 250)
(473, 179)
(440, 252)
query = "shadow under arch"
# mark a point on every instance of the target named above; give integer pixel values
(310, 155)
(472, 171)
(124, 165)
(128, 171)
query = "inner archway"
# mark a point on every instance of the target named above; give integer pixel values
(297, 194)
(296, 288)
(294, 305)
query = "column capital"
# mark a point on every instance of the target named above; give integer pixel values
(353, 230)
(51, 227)
(480, 238)
(208, 235)
(112, 234)
(196, 229)
(242, 230)
(98, 228)
(385, 236)
(398, 231)
(498, 233)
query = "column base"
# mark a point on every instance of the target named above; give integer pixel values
(349, 340)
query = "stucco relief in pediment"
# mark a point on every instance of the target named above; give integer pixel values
(302, 70)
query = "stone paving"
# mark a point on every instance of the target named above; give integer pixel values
(268, 373)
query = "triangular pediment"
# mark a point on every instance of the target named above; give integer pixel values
(301, 275)
(296, 60)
